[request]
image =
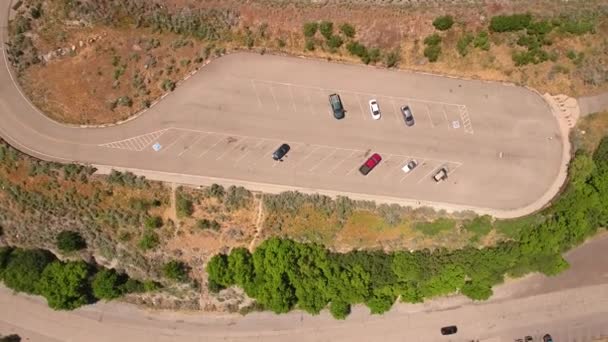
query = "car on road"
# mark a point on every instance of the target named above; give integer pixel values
(336, 106)
(528, 339)
(280, 152)
(441, 175)
(370, 164)
(449, 330)
(547, 338)
(410, 166)
(374, 108)
(407, 115)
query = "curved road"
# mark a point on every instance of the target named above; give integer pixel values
(501, 144)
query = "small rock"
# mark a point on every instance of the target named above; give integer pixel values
(136, 47)
(80, 43)
(73, 47)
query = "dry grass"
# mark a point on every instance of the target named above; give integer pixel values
(80, 87)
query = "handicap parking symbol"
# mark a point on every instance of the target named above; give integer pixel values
(456, 124)
(156, 147)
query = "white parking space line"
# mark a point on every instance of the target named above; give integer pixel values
(428, 114)
(312, 112)
(308, 155)
(249, 150)
(397, 112)
(361, 107)
(293, 102)
(193, 143)
(322, 160)
(211, 147)
(341, 161)
(169, 145)
(274, 97)
(445, 115)
(426, 176)
(353, 169)
(255, 90)
(237, 144)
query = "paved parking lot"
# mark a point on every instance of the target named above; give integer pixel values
(500, 143)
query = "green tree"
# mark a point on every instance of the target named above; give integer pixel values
(443, 23)
(219, 272)
(335, 42)
(153, 222)
(508, 23)
(176, 270)
(339, 309)
(477, 290)
(348, 30)
(65, 285)
(5, 256)
(106, 284)
(70, 241)
(240, 265)
(25, 268)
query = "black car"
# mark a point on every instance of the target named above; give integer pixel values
(280, 152)
(407, 115)
(336, 106)
(452, 329)
(547, 338)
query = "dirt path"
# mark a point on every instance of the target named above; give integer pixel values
(593, 104)
(258, 223)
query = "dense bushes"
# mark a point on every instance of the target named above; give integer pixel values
(283, 274)
(510, 23)
(433, 47)
(70, 241)
(443, 23)
(65, 285)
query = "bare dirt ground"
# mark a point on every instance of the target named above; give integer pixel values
(105, 73)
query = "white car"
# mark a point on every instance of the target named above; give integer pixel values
(409, 166)
(374, 109)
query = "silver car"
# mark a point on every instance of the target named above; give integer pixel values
(407, 115)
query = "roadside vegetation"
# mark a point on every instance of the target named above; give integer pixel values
(282, 274)
(127, 56)
(66, 285)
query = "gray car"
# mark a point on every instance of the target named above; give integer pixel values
(407, 115)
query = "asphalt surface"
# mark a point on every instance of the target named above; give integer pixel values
(500, 143)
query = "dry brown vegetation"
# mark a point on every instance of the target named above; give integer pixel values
(123, 55)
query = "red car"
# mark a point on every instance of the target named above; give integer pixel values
(370, 164)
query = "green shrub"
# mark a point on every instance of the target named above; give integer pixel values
(327, 29)
(510, 23)
(374, 55)
(237, 198)
(432, 52)
(310, 29)
(153, 222)
(106, 284)
(443, 23)
(575, 26)
(348, 30)
(124, 101)
(482, 41)
(168, 85)
(463, 44)
(183, 205)
(392, 58)
(176, 270)
(339, 309)
(207, 224)
(479, 226)
(435, 227)
(70, 241)
(335, 42)
(432, 40)
(65, 285)
(359, 50)
(5, 255)
(149, 240)
(310, 45)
